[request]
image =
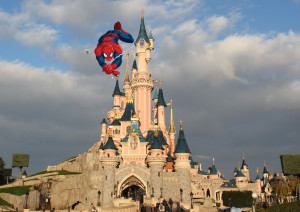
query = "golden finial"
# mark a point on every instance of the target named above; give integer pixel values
(156, 132)
(181, 128)
(142, 13)
(243, 156)
(127, 77)
(257, 170)
(118, 77)
(160, 84)
(134, 57)
(213, 161)
(156, 83)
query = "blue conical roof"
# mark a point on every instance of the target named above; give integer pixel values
(116, 122)
(142, 32)
(101, 146)
(104, 121)
(161, 100)
(235, 170)
(155, 94)
(265, 170)
(134, 66)
(257, 178)
(129, 111)
(239, 174)
(182, 146)
(135, 128)
(110, 144)
(156, 144)
(117, 89)
(150, 35)
(213, 170)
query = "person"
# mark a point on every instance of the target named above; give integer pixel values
(108, 48)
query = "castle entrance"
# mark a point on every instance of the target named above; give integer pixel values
(133, 188)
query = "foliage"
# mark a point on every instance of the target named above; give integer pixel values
(239, 199)
(3, 202)
(2, 165)
(281, 188)
(290, 164)
(293, 183)
(17, 190)
(287, 207)
(59, 172)
(20, 160)
(7, 172)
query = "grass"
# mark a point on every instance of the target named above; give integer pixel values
(3, 202)
(60, 172)
(17, 190)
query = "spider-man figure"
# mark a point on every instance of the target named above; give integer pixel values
(108, 48)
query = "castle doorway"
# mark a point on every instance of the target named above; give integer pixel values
(133, 188)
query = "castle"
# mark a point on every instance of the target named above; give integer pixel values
(137, 158)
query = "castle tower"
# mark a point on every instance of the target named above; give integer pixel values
(245, 169)
(103, 128)
(127, 82)
(161, 104)
(155, 99)
(156, 161)
(213, 174)
(109, 162)
(117, 97)
(172, 131)
(258, 182)
(265, 175)
(240, 179)
(142, 84)
(182, 166)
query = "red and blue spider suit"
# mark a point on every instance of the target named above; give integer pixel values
(108, 48)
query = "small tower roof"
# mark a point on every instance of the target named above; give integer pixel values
(103, 121)
(127, 77)
(142, 32)
(129, 111)
(156, 144)
(110, 144)
(235, 170)
(134, 66)
(239, 174)
(135, 129)
(150, 137)
(182, 146)
(161, 100)
(244, 163)
(117, 89)
(265, 171)
(150, 35)
(213, 170)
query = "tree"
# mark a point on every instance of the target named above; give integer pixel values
(2, 165)
(281, 189)
(7, 173)
(20, 160)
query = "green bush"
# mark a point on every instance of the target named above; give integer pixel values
(239, 199)
(60, 172)
(17, 190)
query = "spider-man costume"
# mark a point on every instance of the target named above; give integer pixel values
(108, 48)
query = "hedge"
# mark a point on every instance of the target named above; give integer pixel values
(239, 199)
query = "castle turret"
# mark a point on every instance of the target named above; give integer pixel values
(213, 174)
(156, 161)
(142, 84)
(155, 99)
(240, 179)
(103, 128)
(258, 182)
(182, 166)
(161, 104)
(172, 131)
(117, 96)
(151, 39)
(109, 162)
(245, 169)
(265, 175)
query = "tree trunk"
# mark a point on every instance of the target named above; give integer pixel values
(21, 172)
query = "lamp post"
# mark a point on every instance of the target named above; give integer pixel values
(254, 196)
(98, 203)
(191, 194)
(26, 200)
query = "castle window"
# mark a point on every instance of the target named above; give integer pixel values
(158, 174)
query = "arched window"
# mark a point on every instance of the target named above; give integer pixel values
(208, 193)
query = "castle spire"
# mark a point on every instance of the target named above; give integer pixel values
(172, 126)
(127, 77)
(161, 99)
(117, 88)
(142, 32)
(182, 146)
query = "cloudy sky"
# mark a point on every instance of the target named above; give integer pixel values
(232, 69)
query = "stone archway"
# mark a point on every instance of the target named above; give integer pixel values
(132, 187)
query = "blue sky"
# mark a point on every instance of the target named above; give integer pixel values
(239, 61)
